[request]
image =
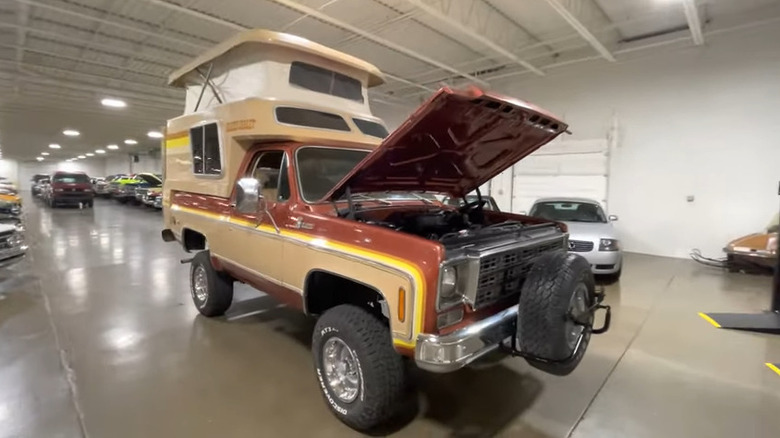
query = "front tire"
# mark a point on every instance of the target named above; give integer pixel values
(212, 291)
(363, 379)
(558, 289)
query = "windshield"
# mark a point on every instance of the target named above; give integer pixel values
(149, 179)
(569, 211)
(490, 203)
(71, 178)
(320, 169)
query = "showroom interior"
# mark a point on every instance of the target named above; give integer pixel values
(281, 218)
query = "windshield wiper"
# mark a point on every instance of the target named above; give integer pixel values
(369, 198)
(422, 198)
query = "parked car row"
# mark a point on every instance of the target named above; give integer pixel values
(139, 189)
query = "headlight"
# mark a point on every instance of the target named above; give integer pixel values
(449, 282)
(609, 245)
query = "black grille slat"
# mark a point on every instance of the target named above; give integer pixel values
(580, 246)
(501, 275)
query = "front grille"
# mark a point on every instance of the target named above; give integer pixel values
(501, 275)
(580, 246)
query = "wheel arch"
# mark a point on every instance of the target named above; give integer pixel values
(322, 278)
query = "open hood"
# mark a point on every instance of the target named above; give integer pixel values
(453, 143)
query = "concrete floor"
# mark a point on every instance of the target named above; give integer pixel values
(98, 338)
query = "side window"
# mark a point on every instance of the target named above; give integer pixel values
(284, 182)
(206, 158)
(267, 169)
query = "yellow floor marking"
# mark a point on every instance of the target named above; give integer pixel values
(708, 319)
(773, 367)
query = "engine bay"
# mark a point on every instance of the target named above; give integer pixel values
(431, 224)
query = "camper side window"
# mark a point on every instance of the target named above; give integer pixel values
(206, 158)
(325, 81)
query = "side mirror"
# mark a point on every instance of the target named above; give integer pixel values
(248, 198)
(613, 218)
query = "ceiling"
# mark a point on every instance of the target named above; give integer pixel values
(59, 58)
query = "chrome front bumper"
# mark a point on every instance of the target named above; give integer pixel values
(10, 256)
(446, 353)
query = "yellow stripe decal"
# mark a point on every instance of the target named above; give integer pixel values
(773, 367)
(708, 319)
(177, 142)
(399, 264)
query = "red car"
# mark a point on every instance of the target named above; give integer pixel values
(70, 188)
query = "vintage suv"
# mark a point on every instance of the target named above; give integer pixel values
(278, 176)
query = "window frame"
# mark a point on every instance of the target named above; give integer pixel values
(250, 171)
(344, 119)
(220, 140)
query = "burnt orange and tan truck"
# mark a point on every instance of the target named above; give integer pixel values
(277, 175)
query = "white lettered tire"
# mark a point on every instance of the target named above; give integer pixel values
(362, 378)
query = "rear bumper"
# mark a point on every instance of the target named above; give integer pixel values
(11, 256)
(72, 198)
(446, 353)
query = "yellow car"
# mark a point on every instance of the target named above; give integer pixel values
(10, 202)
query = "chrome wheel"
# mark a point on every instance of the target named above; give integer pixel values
(200, 286)
(341, 369)
(579, 315)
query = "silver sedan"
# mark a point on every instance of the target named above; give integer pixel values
(591, 233)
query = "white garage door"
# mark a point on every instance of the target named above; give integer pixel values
(576, 168)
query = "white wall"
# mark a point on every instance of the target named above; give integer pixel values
(700, 121)
(10, 169)
(125, 164)
(92, 167)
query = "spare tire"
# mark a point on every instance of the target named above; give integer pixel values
(554, 311)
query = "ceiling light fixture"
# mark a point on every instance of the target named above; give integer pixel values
(39, 158)
(90, 154)
(81, 157)
(44, 154)
(54, 146)
(71, 133)
(113, 103)
(130, 141)
(113, 147)
(100, 151)
(154, 134)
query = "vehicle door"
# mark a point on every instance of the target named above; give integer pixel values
(256, 242)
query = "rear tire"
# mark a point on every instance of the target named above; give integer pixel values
(212, 291)
(559, 284)
(375, 383)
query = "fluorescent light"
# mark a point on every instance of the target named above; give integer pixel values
(39, 158)
(71, 133)
(54, 146)
(100, 151)
(130, 141)
(113, 147)
(113, 103)
(81, 157)
(154, 134)
(90, 154)
(44, 153)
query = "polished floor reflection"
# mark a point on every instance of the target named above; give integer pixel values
(98, 338)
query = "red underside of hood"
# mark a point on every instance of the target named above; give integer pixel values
(453, 143)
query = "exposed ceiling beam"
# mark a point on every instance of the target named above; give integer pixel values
(694, 23)
(471, 33)
(33, 76)
(66, 11)
(23, 16)
(375, 38)
(236, 26)
(581, 29)
(408, 82)
(107, 48)
(87, 61)
(202, 15)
